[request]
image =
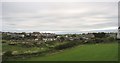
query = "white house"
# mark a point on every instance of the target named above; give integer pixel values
(118, 34)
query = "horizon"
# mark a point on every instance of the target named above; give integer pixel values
(61, 33)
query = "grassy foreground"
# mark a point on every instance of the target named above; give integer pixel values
(88, 52)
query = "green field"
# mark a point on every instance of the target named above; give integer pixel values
(88, 52)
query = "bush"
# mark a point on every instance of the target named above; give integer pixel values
(110, 39)
(67, 45)
(3, 41)
(8, 53)
(94, 40)
(98, 40)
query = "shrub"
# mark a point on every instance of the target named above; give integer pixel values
(67, 45)
(110, 39)
(3, 41)
(8, 53)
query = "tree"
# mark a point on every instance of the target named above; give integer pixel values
(99, 35)
(74, 35)
(62, 39)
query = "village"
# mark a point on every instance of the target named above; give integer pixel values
(21, 44)
(39, 38)
(44, 37)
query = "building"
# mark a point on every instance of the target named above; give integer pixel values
(118, 34)
(114, 35)
(87, 36)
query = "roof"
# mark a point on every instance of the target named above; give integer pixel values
(119, 27)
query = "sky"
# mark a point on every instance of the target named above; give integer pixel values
(60, 1)
(60, 17)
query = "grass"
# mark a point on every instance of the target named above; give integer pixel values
(88, 52)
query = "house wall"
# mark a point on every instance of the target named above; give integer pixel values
(118, 34)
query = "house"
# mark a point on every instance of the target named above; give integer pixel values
(118, 34)
(87, 36)
(90, 35)
(48, 36)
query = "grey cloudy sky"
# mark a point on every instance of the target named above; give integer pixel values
(60, 17)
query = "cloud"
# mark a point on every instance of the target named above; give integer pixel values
(59, 17)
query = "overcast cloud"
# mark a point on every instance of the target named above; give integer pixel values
(60, 17)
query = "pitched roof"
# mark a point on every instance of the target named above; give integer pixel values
(119, 27)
